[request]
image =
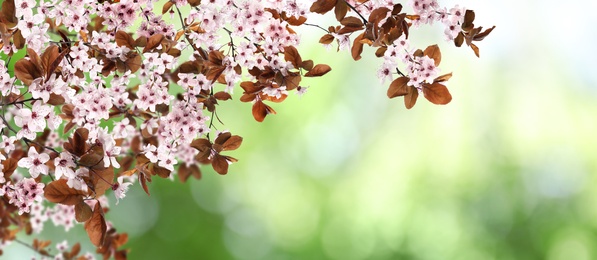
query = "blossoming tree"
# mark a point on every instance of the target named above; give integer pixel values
(98, 95)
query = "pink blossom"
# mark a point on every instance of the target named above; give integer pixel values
(35, 162)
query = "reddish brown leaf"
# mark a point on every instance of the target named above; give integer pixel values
(437, 93)
(102, 179)
(291, 54)
(232, 143)
(8, 13)
(434, 53)
(323, 6)
(352, 21)
(341, 10)
(326, 39)
(79, 141)
(318, 70)
(357, 47)
(26, 71)
(411, 98)
(398, 87)
(161, 171)
(59, 192)
(221, 95)
(475, 49)
(124, 39)
(153, 41)
(201, 144)
(9, 166)
(56, 100)
(94, 157)
(96, 226)
(378, 15)
(459, 40)
(443, 78)
(133, 62)
(481, 36)
(260, 110)
(222, 138)
(18, 40)
(183, 173)
(143, 180)
(48, 57)
(167, 7)
(307, 64)
(469, 17)
(82, 212)
(220, 164)
(55, 63)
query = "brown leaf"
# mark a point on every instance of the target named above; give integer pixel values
(222, 95)
(56, 100)
(318, 70)
(475, 49)
(18, 40)
(75, 250)
(161, 171)
(102, 179)
(79, 141)
(133, 62)
(411, 98)
(56, 62)
(291, 54)
(481, 36)
(59, 192)
(459, 40)
(357, 47)
(398, 87)
(260, 110)
(201, 144)
(82, 212)
(96, 226)
(437, 93)
(341, 10)
(9, 13)
(326, 39)
(220, 164)
(141, 41)
(323, 6)
(9, 166)
(143, 180)
(222, 138)
(443, 78)
(26, 71)
(94, 157)
(124, 39)
(48, 57)
(469, 17)
(232, 143)
(378, 15)
(434, 53)
(167, 7)
(153, 41)
(183, 173)
(352, 21)
(307, 64)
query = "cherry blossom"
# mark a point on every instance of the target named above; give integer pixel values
(35, 162)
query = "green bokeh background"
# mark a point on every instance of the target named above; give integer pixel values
(507, 170)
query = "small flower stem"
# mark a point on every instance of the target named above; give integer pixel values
(355, 10)
(315, 25)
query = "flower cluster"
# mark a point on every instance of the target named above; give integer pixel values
(98, 104)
